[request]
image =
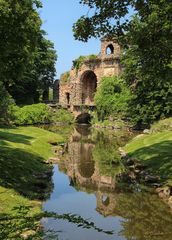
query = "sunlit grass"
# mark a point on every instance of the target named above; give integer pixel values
(155, 151)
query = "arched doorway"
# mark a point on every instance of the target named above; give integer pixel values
(89, 86)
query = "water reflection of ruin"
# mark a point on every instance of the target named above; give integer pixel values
(84, 173)
(143, 215)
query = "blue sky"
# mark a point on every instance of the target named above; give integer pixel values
(58, 17)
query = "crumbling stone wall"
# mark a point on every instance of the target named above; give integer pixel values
(84, 81)
(64, 93)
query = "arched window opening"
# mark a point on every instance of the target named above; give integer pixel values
(110, 49)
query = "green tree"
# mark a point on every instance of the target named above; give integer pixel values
(149, 55)
(38, 75)
(19, 31)
(147, 67)
(6, 105)
(27, 58)
(112, 98)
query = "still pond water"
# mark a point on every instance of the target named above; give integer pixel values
(90, 202)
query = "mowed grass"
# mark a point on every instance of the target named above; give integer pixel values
(22, 153)
(155, 151)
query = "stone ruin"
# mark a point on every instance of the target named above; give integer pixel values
(82, 83)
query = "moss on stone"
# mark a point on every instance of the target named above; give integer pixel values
(77, 63)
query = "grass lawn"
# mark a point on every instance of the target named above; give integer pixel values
(155, 151)
(22, 152)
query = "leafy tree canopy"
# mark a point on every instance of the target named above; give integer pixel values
(38, 75)
(19, 31)
(147, 41)
(148, 71)
(111, 17)
(27, 58)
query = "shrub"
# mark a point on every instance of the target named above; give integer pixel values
(77, 63)
(32, 114)
(112, 98)
(63, 116)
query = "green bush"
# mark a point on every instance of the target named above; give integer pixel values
(40, 113)
(77, 63)
(32, 114)
(112, 98)
(63, 116)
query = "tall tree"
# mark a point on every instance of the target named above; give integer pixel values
(27, 58)
(38, 75)
(19, 31)
(148, 69)
(148, 59)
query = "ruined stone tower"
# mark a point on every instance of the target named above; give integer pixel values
(80, 85)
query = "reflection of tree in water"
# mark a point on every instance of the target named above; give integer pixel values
(106, 155)
(147, 217)
(117, 138)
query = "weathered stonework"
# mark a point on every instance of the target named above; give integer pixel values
(56, 91)
(83, 82)
(64, 93)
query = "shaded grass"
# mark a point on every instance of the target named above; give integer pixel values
(18, 215)
(154, 151)
(22, 153)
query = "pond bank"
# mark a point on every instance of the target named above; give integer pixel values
(153, 151)
(24, 179)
